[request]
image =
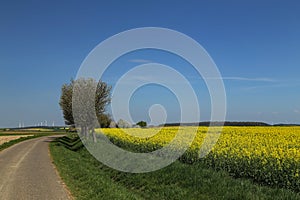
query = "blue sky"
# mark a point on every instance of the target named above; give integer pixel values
(255, 44)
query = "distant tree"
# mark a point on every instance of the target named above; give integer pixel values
(142, 124)
(104, 120)
(112, 124)
(123, 124)
(83, 105)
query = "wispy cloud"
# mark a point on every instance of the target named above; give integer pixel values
(152, 76)
(279, 85)
(297, 111)
(140, 61)
(236, 78)
(142, 78)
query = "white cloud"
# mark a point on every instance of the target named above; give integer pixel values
(238, 78)
(266, 86)
(297, 111)
(140, 61)
(260, 79)
(151, 76)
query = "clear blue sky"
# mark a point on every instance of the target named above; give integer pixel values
(255, 44)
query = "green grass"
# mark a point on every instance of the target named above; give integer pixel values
(89, 179)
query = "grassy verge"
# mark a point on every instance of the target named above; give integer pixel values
(89, 179)
(34, 135)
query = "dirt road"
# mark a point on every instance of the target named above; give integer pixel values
(26, 172)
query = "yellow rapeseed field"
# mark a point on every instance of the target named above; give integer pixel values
(266, 154)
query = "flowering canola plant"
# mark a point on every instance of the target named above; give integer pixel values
(270, 155)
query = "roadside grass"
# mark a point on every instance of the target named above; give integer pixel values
(34, 135)
(87, 178)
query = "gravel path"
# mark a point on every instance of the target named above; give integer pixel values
(27, 172)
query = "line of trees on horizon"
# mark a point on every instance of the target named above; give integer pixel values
(226, 123)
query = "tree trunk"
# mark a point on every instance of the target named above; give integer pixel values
(94, 136)
(86, 129)
(81, 132)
